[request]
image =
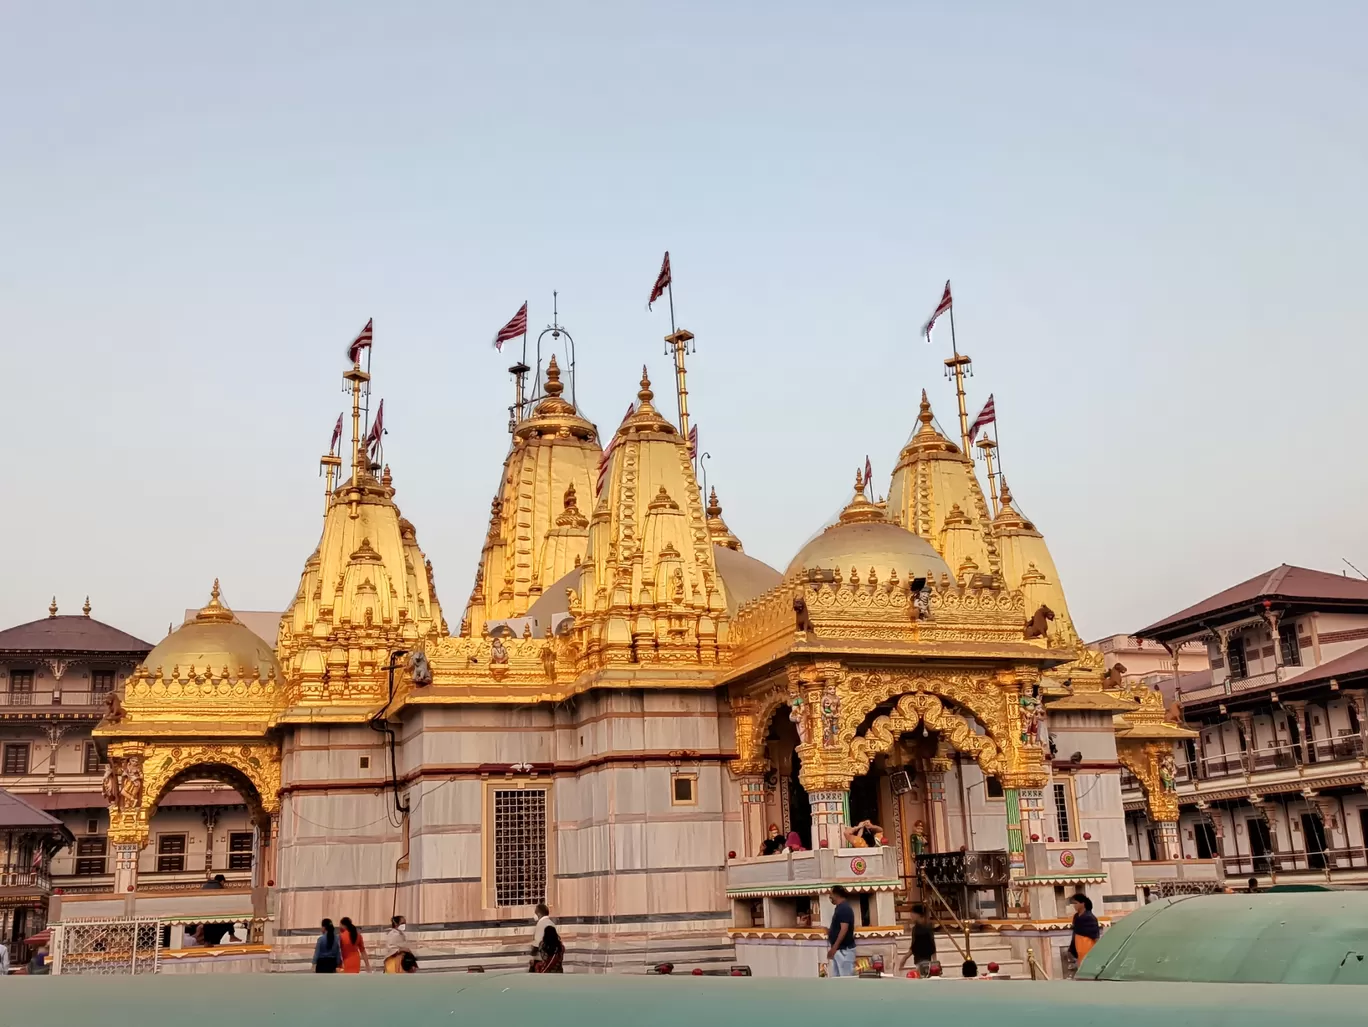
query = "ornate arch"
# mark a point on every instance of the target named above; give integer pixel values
(753, 718)
(993, 704)
(917, 709)
(145, 771)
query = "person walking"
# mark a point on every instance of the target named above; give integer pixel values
(841, 935)
(4, 959)
(397, 947)
(1086, 929)
(327, 951)
(353, 948)
(923, 951)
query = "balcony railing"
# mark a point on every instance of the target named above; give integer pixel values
(1352, 858)
(57, 697)
(14, 875)
(1233, 686)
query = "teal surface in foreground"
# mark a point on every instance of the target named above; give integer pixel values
(512, 1000)
(1284, 937)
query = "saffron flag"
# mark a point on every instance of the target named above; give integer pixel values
(986, 416)
(942, 307)
(869, 471)
(608, 451)
(337, 434)
(662, 281)
(377, 428)
(517, 326)
(362, 341)
(693, 443)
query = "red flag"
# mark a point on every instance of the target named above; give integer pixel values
(377, 427)
(608, 450)
(693, 442)
(337, 434)
(869, 473)
(942, 307)
(361, 342)
(514, 328)
(987, 416)
(662, 281)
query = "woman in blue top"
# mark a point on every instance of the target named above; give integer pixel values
(327, 950)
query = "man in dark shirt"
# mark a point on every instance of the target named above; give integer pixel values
(841, 935)
(923, 950)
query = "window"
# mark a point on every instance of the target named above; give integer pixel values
(365, 763)
(170, 853)
(240, 850)
(101, 683)
(21, 685)
(994, 788)
(1065, 825)
(1205, 837)
(684, 790)
(1235, 652)
(93, 763)
(16, 759)
(519, 846)
(1287, 642)
(90, 857)
(92, 827)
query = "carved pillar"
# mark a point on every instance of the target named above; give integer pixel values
(54, 734)
(1358, 702)
(753, 813)
(126, 866)
(1271, 617)
(1244, 724)
(1032, 802)
(1264, 812)
(936, 769)
(1298, 710)
(210, 818)
(828, 818)
(1016, 844)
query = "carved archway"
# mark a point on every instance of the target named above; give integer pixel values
(913, 711)
(992, 703)
(146, 771)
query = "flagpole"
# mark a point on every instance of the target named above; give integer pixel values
(365, 424)
(959, 366)
(678, 340)
(988, 444)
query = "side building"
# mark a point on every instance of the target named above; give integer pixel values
(1273, 785)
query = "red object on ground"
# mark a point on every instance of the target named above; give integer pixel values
(913, 975)
(993, 968)
(732, 854)
(1035, 837)
(697, 971)
(935, 969)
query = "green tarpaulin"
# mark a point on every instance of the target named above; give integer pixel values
(1282, 937)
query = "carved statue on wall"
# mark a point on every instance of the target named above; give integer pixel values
(497, 653)
(114, 711)
(131, 785)
(109, 787)
(1039, 623)
(802, 622)
(800, 721)
(1115, 680)
(1030, 719)
(917, 839)
(419, 668)
(831, 715)
(1167, 772)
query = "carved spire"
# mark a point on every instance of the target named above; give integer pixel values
(86, 608)
(215, 611)
(860, 510)
(52, 609)
(717, 527)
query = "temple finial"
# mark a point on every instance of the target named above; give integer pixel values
(554, 387)
(86, 608)
(645, 395)
(52, 609)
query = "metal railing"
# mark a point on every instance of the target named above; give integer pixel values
(54, 697)
(1327, 860)
(939, 908)
(123, 946)
(15, 875)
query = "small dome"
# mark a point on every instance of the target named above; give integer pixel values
(871, 544)
(743, 577)
(213, 640)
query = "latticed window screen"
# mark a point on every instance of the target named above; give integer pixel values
(1061, 797)
(519, 846)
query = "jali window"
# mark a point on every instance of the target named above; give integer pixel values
(519, 846)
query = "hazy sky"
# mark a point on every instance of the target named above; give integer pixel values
(1154, 218)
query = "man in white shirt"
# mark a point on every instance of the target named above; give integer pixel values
(4, 959)
(396, 944)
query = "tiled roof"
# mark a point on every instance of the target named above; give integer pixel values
(1349, 664)
(70, 635)
(1282, 582)
(15, 812)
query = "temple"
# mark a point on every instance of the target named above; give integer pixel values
(629, 705)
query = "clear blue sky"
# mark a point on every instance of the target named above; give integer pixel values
(1153, 215)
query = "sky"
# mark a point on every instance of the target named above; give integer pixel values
(1153, 216)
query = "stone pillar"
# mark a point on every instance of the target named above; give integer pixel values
(126, 866)
(753, 813)
(1016, 849)
(1244, 724)
(1298, 710)
(1169, 843)
(937, 767)
(828, 818)
(1032, 801)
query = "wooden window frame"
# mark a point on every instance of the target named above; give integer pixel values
(15, 747)
(235, 860)
(91, 864)
(1070, 809)
(488, 875)
(98, 694)
(675, 800)
(162, 839)
(28, 676)
(98, 765)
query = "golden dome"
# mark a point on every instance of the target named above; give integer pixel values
(216, 642)
(861, 541)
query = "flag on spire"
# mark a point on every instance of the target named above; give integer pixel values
(377, 428)
(362, 341)
(608, 451)
(986, 416)
(693, 442)
(869, 470)
(662, 281)
(941, 308)
(337, 434)
(517, 326)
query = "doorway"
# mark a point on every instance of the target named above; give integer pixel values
(1260, 845)
(1205, 837)
(1314, 833)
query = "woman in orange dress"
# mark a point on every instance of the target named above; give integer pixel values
(353, 948)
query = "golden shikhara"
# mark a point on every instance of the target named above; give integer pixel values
(927, 609)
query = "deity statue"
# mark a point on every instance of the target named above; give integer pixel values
(1030, 719)
(497, 652)
(109, 787)
(131, 785)
(800, 721)
(831, 715)
(419, 668)
(1167, 772)
(917, 839)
